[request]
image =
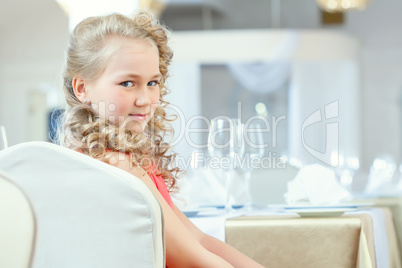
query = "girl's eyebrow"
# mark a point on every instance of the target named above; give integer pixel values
(133, 75)
(158, 75)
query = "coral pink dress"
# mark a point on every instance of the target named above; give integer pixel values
(159, 184)
(162, 188)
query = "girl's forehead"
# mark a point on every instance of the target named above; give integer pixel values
(122, 41)
(115, 46)
(133, 55)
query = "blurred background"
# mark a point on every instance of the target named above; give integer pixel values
(306, 57)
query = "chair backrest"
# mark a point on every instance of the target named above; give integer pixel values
(89, 214)
(17, 226)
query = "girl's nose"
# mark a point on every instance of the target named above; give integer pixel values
(142, 97)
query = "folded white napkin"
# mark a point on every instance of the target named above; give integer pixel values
(316, 185)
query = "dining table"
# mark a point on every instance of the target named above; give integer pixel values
(362, 237)
(394, 204)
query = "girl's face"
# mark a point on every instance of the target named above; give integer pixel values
(127, 92)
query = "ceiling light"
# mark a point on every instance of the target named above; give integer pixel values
(342, 5)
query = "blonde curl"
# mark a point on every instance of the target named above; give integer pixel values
(83, 130)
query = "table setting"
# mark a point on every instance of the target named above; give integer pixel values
(316, 214)
(313, 222)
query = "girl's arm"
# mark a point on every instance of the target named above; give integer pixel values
(230, 254)
(182, 248)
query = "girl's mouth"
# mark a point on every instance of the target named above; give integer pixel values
(138, 117)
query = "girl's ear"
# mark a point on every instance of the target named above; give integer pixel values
(79, 86)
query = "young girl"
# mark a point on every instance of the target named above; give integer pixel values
(114, 83)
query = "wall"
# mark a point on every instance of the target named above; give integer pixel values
(34, 35)
(377, 28)
(34, 38)
(317, 77)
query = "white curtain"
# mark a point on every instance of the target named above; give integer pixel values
(266, 76)
(323, 111)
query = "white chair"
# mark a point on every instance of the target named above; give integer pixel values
(89, 214)
(17, 226)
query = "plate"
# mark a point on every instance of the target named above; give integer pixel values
(190, 213)
(203, 210)
(335, 206)
(223, 206)
(320, 212)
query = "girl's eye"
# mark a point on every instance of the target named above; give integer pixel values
(127, 84)
(153, 83)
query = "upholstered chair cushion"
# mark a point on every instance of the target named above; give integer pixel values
(89, 214)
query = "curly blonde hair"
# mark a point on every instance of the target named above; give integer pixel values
(87, 56)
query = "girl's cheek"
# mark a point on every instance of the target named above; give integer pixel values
(121, 105)
(153, 108)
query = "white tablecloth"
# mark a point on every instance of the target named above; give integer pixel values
(213, 223)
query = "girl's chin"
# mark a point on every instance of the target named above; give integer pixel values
(131, 125)
(135, 127)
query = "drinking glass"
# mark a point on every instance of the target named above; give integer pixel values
(346, 170)
(225, 142)
(253, 152)
(351, 166)
(3, 138)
